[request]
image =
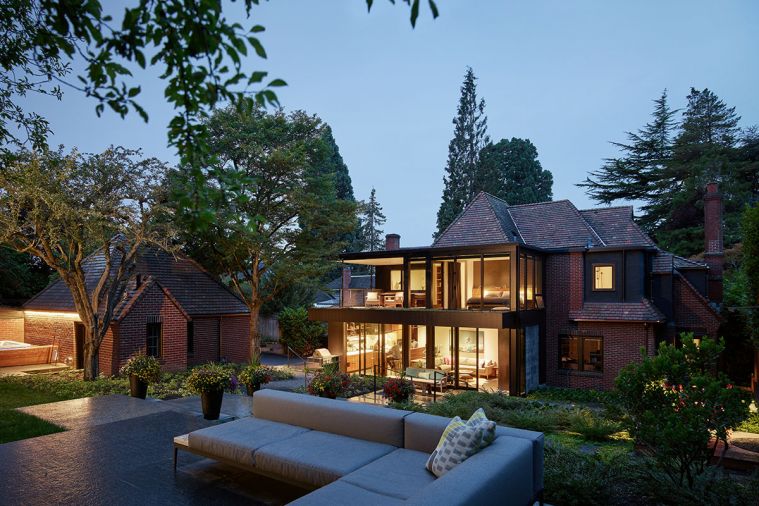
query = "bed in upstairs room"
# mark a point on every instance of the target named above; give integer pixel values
(13, 353)
(494, 297)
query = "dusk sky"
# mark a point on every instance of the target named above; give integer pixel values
(570, 76)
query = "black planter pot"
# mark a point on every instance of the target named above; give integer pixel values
(252, 388)
(211, 402)
(137, 387)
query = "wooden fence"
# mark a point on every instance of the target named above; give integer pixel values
(268, 327)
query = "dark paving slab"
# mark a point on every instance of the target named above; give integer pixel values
(126, 462)
(232, 405)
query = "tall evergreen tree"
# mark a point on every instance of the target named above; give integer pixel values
(666, 165)
(469, 137)
(334, 163)
(371, 221)
(511, 171)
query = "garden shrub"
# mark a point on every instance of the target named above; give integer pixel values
(299, 333)
(575, 395)
(676, 401)
(750, 424)
(591, 426)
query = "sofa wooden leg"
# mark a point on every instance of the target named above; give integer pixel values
(175, 459)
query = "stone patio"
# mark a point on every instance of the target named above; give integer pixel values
(118, 450)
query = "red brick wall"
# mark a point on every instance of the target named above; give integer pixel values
(206, 340)
(132, 330)
(11, 326)
(235, 343)
(621, 341)
(692, 310)
(50, 329)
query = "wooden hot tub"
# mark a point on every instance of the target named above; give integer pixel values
(14, 353)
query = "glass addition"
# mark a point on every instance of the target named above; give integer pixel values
(393, 350)
(418, 349)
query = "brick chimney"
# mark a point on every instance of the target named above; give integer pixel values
(346, 284)
(714, 252)
(392, 241)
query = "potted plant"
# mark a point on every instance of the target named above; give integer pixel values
(329, 382)
(255, 375)
(141, 370)
(209, 381)
(398, 389)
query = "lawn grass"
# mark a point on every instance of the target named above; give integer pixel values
(15, 425)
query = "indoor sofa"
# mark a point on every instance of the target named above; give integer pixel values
(351, 453)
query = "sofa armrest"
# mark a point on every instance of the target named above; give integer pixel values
(499, 474)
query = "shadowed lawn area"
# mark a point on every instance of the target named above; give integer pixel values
(15, 425)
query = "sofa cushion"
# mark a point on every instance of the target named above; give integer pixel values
(341, 493)
(402, 471)
(352, 419)
(497, 475)
(239, 440)
(317, 458)
(423, 431)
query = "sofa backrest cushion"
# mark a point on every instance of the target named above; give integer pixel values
(423, 433)
(362, 421)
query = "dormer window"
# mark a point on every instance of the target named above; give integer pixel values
(603, 277)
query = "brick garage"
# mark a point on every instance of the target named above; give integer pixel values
(174, 292)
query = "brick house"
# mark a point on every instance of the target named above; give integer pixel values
(511, 297)
(172, 309)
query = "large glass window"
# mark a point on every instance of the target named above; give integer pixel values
(444, 349)
(581, 353)
(417, 284)
(393, 346)
(418, 349)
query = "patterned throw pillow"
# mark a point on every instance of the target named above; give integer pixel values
(462, 442)
(486, 435)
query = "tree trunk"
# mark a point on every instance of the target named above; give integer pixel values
(90, 356)
(255, 339)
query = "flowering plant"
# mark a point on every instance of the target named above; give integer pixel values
(209, 378)
(256, 374)
(146, 368)
(398, 389)
(330, 382)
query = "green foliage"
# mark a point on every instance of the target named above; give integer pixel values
(208, 378)
(21, 275)
(273, 218)
(750, 265)
(591, 426)
(329, 382)
(750, 424)
(371, 218)
(62, 207)
(583, 395)
(299, 333)
(361, 385)
(469, 137)
(255, 374)
(201, 53)
(145, 367)
(676, 402)
(510, 170)
(667, 164)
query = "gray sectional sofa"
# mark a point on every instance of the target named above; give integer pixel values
(351, 453)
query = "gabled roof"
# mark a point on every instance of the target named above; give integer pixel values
(547, 225)
(666, 262)
(643, 311)
(134, 293)
(196, 290)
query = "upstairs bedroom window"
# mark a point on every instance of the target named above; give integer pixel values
(603, 277)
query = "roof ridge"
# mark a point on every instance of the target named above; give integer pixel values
(590, 227)
(606, 208)
(545, 202)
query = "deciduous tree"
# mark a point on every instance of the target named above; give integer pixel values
(273, 219)
(61, 208)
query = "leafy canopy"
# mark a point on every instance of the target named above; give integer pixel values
(201, 54)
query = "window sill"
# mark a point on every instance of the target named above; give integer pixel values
(590, 374)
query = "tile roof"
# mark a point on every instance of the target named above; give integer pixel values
(197, 291)
(643, 311)
(133, 293)
(548, 225)
(666, 262)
